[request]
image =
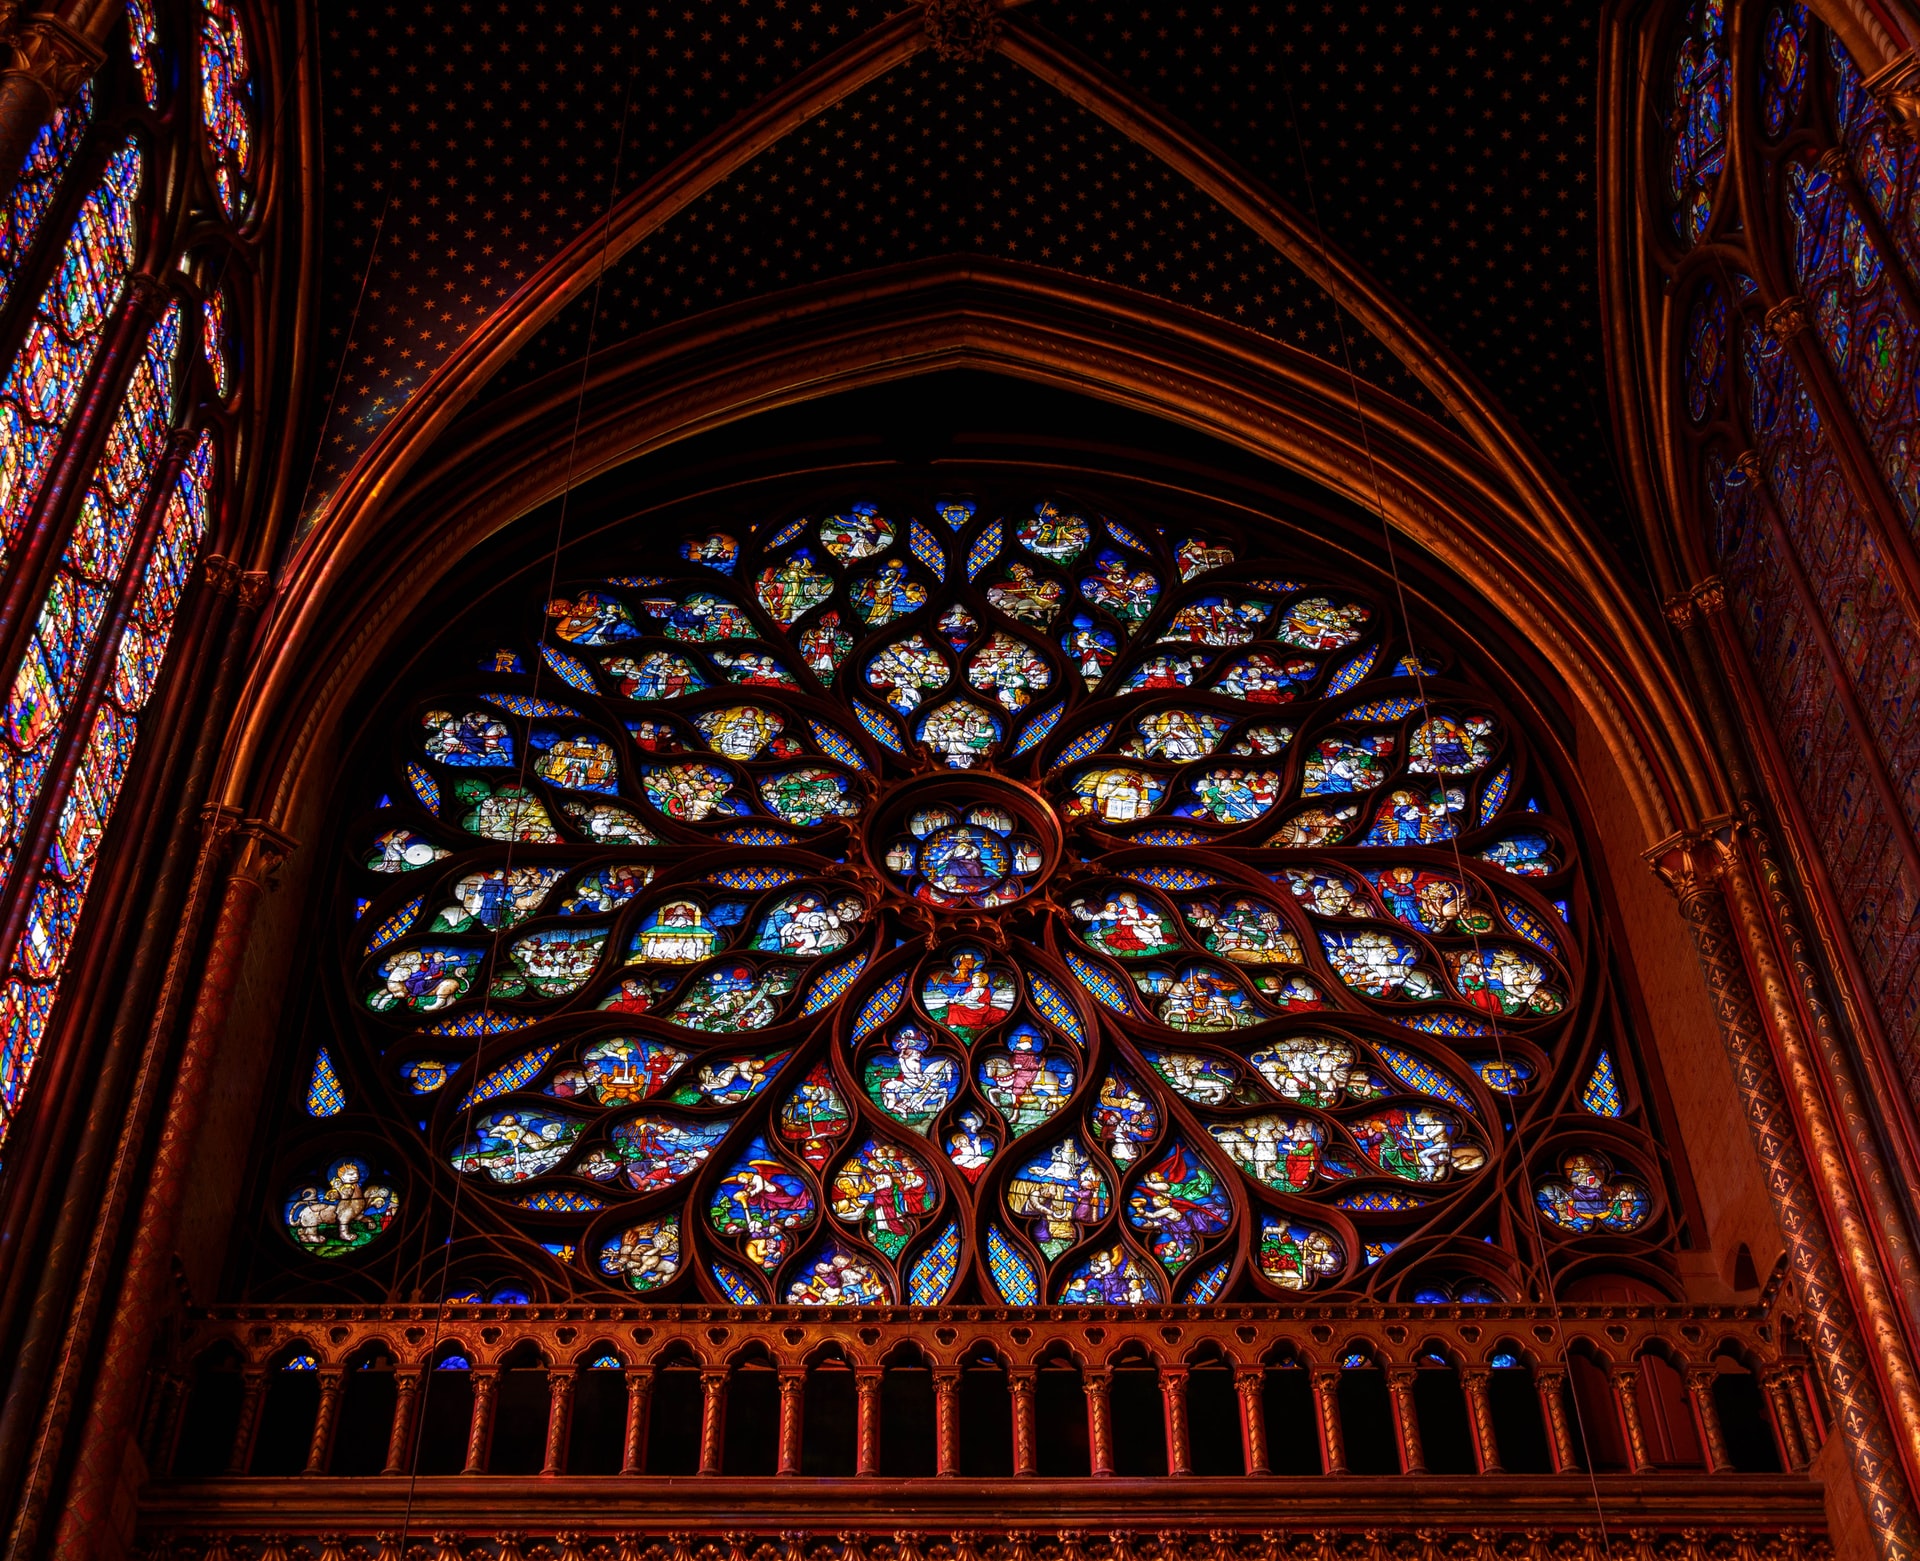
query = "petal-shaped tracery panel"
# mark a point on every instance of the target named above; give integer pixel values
(947, 900)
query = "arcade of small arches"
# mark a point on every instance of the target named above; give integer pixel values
(1418, 1391)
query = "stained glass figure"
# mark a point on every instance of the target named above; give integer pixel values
(1296, 1256)
(1121, 1068)
(905, 671)
(1589, 1195)
(652, 1151)
(1124, 1118)
(814, 1117)
(762, 1202)
(887, 595)
(1060, 1193)
(792, 588)
(837, 1276)
(342, 1213)
(643, 1257)
(226, 103)
(909, 1080)
(618, 1070)
(1009, 670)
(1263, 679)
(883, 1189)
(1504, 980)
(658, 675)
(1026, 1080)
(1127, 924)
(1417, 1143)
(1274, 1148)
(1112, 1277)
(1379, 964)
(861, 532)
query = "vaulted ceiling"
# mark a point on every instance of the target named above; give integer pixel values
(1448, 148)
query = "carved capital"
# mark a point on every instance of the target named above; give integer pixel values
(54, 56)
(248, 586)
(1686, 608)
(1689, 863)
(262, 850)
(962, 31)
(1788, 318)
(1679, 610)
(1895, 90)
(1710, 596)
(1833, 163)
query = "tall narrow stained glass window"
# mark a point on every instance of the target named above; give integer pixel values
(67, 632)
(990, 900)
(37, 963)
(45, 171)
(226, 104)
(1802, 411)
(45, 381)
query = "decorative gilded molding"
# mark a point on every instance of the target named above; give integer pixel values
(1788, 318)
(54, 56)
(248, 586)
(1693, 864)
(962, 31)
(1895, 90)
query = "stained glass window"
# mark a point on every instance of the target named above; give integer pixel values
(74, 612)
(771, 1000)
(143, 44)
(1697, 119)
(48, 159)
(45, 381)
(226, 103)
(36, 964)
(216, 340)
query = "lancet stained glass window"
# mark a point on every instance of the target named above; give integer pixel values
(46, 379)
(1802, 410)
(41, 177)
(37, 963)
(226, 103)
(788, 965)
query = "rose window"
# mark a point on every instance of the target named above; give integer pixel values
(969, 900)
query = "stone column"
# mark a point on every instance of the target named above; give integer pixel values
(146, 1276)
(1413, 1457)
(1099, 1423)
(1020, 1387)
(633, 1451)
(713, 1421)
(332, 1381)
(1173, 1392)
(1786, 1423)
(1626, 1391)
(1333, 1443)
(406, 1404)
(1251, 1382)
(486, 1382)
(793, 1399)
(1486, 1446)
(866, 1384)
(946, 1422)
(253, 1388)
(1551, 1383)
(1700, 1388)
(560, 1384)
(1692, 865)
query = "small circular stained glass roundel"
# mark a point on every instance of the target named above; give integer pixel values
(1004, 900)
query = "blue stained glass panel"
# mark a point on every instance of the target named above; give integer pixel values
(48, 157)
(1601, 1095)
(1013, 1275)
(325, 1097)
(933, 1273)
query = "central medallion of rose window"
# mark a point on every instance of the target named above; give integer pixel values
(676, 939)
(975, 844)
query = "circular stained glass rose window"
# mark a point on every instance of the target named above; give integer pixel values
(980, 901)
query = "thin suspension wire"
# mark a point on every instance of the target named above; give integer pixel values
(1543, 1272)
(515, 814)
(340, 369)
